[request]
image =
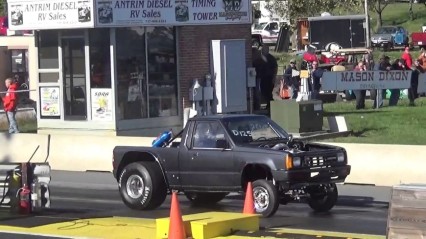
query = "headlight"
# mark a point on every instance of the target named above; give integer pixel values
(297, 162)
(340, 157)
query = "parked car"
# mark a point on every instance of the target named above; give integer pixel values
(387, 37)
(219, 154)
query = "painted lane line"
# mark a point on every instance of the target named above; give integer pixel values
(44, 235)
(87, 200)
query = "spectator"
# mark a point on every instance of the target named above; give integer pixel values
(316, 74)
(368, 59)
(267, 73)
(406, 56)
(10, 101)
(422, 59)
(292, 81)
(384, 65)
(398, 65)
(360, 94)
(412, 92)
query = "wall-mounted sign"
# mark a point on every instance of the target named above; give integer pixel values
(366, 80)
(49, 102)
(101, 104)
(171, 12)
(50, 14)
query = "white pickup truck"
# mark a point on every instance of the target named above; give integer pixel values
(265, 33)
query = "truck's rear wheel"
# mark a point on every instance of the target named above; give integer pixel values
(322, 198)
(142, 185)
(204, 198)
(265, 197)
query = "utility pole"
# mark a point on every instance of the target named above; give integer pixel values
(367, 24)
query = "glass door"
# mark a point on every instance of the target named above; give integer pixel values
(74, 78)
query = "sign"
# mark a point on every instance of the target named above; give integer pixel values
(101, 104)
(366, 80)
(49, 101)
(112, 13)
(50, 14)
(421, 88)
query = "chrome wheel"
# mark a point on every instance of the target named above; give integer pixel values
(261, 199)
(135, 186)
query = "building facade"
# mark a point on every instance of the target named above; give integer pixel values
(124, 67)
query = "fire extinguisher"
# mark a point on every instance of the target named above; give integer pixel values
(24, 200)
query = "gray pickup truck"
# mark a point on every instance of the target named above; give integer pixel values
(216, 155)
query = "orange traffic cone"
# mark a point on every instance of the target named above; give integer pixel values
(249, 201)
(176, 227)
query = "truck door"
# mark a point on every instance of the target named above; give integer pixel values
(206, 164)
(357, 33)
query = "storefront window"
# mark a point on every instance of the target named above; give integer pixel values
(131, 73)
(48, 50)
(100, 67)
(146, 72)
(162, 72)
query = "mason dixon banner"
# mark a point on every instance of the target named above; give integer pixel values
(366, 80)
(171, 12)
(50, 14)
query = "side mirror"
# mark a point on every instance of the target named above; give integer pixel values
(221, 144)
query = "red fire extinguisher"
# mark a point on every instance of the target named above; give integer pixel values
(24, 200)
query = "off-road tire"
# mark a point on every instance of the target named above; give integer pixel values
(321, 201)
(204, 198)
(264, 192)
(154, 187)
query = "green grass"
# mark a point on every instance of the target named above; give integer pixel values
(388, 125)
(397, 14)
(25, 126)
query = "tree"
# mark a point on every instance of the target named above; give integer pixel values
(3, 8)
(378, 6)
(295, 9)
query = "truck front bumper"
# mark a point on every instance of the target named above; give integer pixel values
(297, 178)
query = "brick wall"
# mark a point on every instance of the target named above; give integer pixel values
(194, 50)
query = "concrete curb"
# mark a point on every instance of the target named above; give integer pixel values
(377, 164)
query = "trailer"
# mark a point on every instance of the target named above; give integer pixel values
(348, 31)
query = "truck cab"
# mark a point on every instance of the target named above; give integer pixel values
(266, 33)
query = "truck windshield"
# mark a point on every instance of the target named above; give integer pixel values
(253, 128)
(260, 26)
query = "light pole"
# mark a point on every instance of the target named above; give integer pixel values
(367, 23)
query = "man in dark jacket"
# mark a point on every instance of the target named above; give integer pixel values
(292, 81)
(9, 105)
(266, 70)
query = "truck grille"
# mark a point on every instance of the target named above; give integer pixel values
(319, 161)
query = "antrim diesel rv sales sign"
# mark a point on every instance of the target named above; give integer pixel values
(50, 14)
(171, 12)
(61, 14)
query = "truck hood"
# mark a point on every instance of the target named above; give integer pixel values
(277, 147)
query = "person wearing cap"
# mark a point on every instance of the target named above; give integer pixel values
(292, 81)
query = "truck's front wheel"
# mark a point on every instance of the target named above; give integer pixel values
(322, 198)
(142, 185)
(265, 197)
